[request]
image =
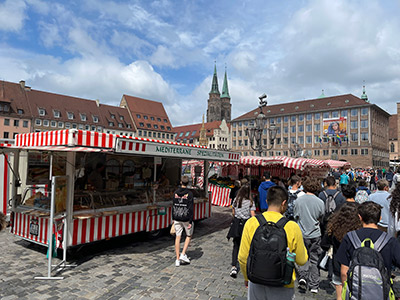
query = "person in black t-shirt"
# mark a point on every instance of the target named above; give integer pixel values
(370, 214)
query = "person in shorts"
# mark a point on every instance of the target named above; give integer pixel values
(182, 214)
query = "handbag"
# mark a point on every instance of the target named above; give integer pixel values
(172, 231)
(324, 259)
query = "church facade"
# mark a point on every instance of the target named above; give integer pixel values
(219, 105)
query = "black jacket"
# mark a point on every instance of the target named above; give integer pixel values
(182, 209)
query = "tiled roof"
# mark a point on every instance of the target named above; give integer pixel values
(320, 104)
(151, 114)
(393, 127)
(113, 116)
(210, 126)
(65, 105)
(14, 94)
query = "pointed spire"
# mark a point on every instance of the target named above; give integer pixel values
(214, 86)
(225, 90)
(203, 137)
(364, 95)
(322, 95)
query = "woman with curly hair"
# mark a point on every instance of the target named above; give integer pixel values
(342, 221)
(394, 222)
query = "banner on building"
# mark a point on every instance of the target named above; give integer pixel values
(335, 127)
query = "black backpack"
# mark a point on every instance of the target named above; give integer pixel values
(367, 277)
(290, 207)
(266, 262)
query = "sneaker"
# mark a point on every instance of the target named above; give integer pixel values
(314, 291)
(303, 284)
(233, 272)
(177, 263)
(184, 258)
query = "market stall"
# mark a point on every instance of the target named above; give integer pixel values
(108, 186)
(338, 164)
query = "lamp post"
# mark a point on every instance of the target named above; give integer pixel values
(254, 132)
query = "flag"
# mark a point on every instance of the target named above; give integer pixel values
(339, 139)
(320, 140)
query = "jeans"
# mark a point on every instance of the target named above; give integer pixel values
(310, 271)
(235, 251)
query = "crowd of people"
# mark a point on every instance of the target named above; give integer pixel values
(327, 223)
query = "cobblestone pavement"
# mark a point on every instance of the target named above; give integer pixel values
(132, 267)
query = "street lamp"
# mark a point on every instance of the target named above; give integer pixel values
(254, 132)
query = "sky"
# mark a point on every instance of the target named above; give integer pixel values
(166, 50)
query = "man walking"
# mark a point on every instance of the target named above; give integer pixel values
(277, 204)
(381, 197)
(182, 214)
(263, 190)
(308, 212)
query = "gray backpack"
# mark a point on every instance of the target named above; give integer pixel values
(367, 277)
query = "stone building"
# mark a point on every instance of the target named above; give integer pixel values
(219, 105)
(363, 139)
(393, 138)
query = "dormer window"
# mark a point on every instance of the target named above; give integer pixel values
(120, 125)
(42, 111)
(110, 123)
(152, 118)
(95, 119)
(56, 113)
(159, 119)
(83, 117)
(138, 116)
(6, 107)
(70, 115)
(121, 118)
(155, 126)
(112, 116)
(141, 124)
(145, 117)
(129, 126)
(20, 111)
(165, 121)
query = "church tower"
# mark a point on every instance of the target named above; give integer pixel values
(219, 106)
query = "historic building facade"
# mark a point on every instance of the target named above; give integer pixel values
(219, 105)
(362, 138)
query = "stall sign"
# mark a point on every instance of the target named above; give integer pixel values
(171, 150)
(34, 227)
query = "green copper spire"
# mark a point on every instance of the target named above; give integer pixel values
(214, 86)
(322, 95)
(225, 91)
(364, 95)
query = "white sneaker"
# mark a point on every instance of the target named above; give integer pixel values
(177, 263)
(184, 258)
(314, 291)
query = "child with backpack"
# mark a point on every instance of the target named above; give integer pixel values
(294, 193)
(362, 192)
(366, 256)
(270, 246)
(342, 221)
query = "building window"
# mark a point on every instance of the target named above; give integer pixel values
(83, 117)
(343, 151)
(364, 136)
(301, 117)
(110, 123)
(325, 115)
(16, 123)
(317, 152)
(6, 122)
(364, 123)
(56, 113)
(293, 139)
(158, 134)
(364, 151)
(309, 117)
(95, 119)
(42, 112)
(70, 115)
(301, 128)
(354, 137)
(317, 116)
(145, 117)
(168, 128)
(80, 126)
(308, 139)
(309, 128)
(234, 125)
(156, 127)
(325, 152)
(285, 129)
(138, 116)
(285, 119)
(152, 118)
(234, 133)
(140, 133)
(317, 127)
(240, 123)
(335, 114)
(334, 151)
(163, 127)
(61, 125)
(293, 119)
(144, 133)
(392, 147)
(293, 129)
(343, 113)
(278, 120)
(68, 125)
(148, 125)
(354, 124)
(112, 116)
(25, 124)
(245, 142)
(354, 152)
(354, 112)
(6, 135)
(120, 125)
(74, 125)
(301, 140)
(20, 111)
(53, 124)
(364, 111)
(92, 128)
(142, 125)
(165, 121)
(285, 140)
(38, 122)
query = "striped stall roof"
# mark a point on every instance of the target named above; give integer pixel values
(338, 164)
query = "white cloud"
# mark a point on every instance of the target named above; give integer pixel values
(12, 15)
(163, 57)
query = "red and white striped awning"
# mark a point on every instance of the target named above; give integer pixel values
(254, 161)
(303, 163)
(336, 164)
